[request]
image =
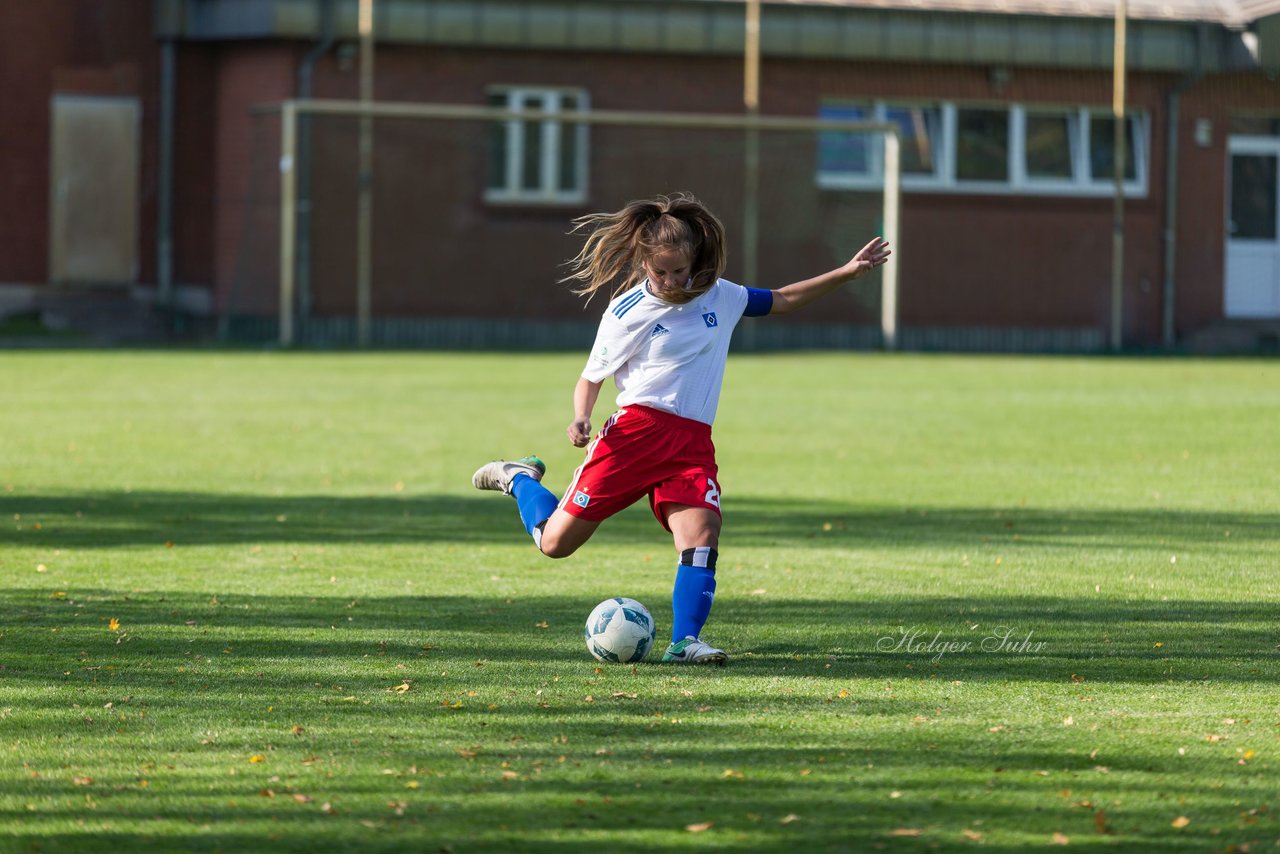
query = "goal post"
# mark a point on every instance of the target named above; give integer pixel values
(887, 182)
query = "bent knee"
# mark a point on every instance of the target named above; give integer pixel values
(557, 547)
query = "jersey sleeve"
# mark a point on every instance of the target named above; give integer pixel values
(743, 301)
(615, 342)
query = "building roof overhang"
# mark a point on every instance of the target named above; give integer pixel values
(1177, 36)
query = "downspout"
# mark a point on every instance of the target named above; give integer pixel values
(164, 181)
(306, 71)
(1171, 188)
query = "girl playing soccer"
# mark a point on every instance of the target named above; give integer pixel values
(664, 339)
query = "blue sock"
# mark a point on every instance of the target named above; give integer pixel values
(693, 593)
(535, 501)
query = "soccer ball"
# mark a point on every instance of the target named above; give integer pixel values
(619, 630)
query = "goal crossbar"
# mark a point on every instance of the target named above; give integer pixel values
(291, 109)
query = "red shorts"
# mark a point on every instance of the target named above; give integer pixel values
(639, 451)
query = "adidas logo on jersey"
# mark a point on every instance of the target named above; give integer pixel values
(659, 330)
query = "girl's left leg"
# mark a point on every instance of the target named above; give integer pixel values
(696, 531)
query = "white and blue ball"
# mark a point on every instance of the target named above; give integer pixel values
(620, 630)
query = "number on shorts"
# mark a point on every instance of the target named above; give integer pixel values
(713, 494)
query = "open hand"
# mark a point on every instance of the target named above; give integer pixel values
(873, 255)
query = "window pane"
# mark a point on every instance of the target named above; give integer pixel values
(920, 127)
(843, 152)
(1253, 196)
(1102, 149)
(531, 159)
(498, 143)
(1049, 145)
(568, 157)
(569, 137)
(982, 145)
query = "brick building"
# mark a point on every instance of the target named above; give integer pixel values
(136, 159)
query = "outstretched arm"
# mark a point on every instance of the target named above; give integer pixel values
(790, 297)
(585, 394)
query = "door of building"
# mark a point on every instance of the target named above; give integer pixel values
(93, 189)
(1253, 239)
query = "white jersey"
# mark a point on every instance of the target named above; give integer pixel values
(664, 355)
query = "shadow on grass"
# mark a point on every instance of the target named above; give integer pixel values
(816, 774)
(107, 519)
(1009, 638)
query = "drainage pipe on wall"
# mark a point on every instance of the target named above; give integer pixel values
(306, 72)
(164, 181)
(1168, 333)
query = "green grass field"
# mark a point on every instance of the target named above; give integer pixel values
(250, 602)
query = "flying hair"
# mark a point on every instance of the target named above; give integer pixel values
(618, 243)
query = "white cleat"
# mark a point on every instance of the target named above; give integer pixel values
(693, 651)
(498, 474)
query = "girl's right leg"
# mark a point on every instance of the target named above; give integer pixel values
(556, 533)
(563, 534)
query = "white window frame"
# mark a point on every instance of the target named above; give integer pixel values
(549, 190)
(944, 180)
(873, 177)
(1078, 154)
(1137, 154)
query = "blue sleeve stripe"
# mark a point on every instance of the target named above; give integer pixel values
(625, 304)
(759, 302)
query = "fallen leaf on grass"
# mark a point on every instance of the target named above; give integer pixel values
(788, 818)
(905, 831)
(1060, 839)
(971, 835)
(256, 758)
(82, 781)
(624, 695)
(402, 688)
(1100, 822)
(1180, 822)
(700, 827)
(114, 624)
(730, 773)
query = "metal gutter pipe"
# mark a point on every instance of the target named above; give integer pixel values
(1168, 333)
(164, 181)
(306, 72)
